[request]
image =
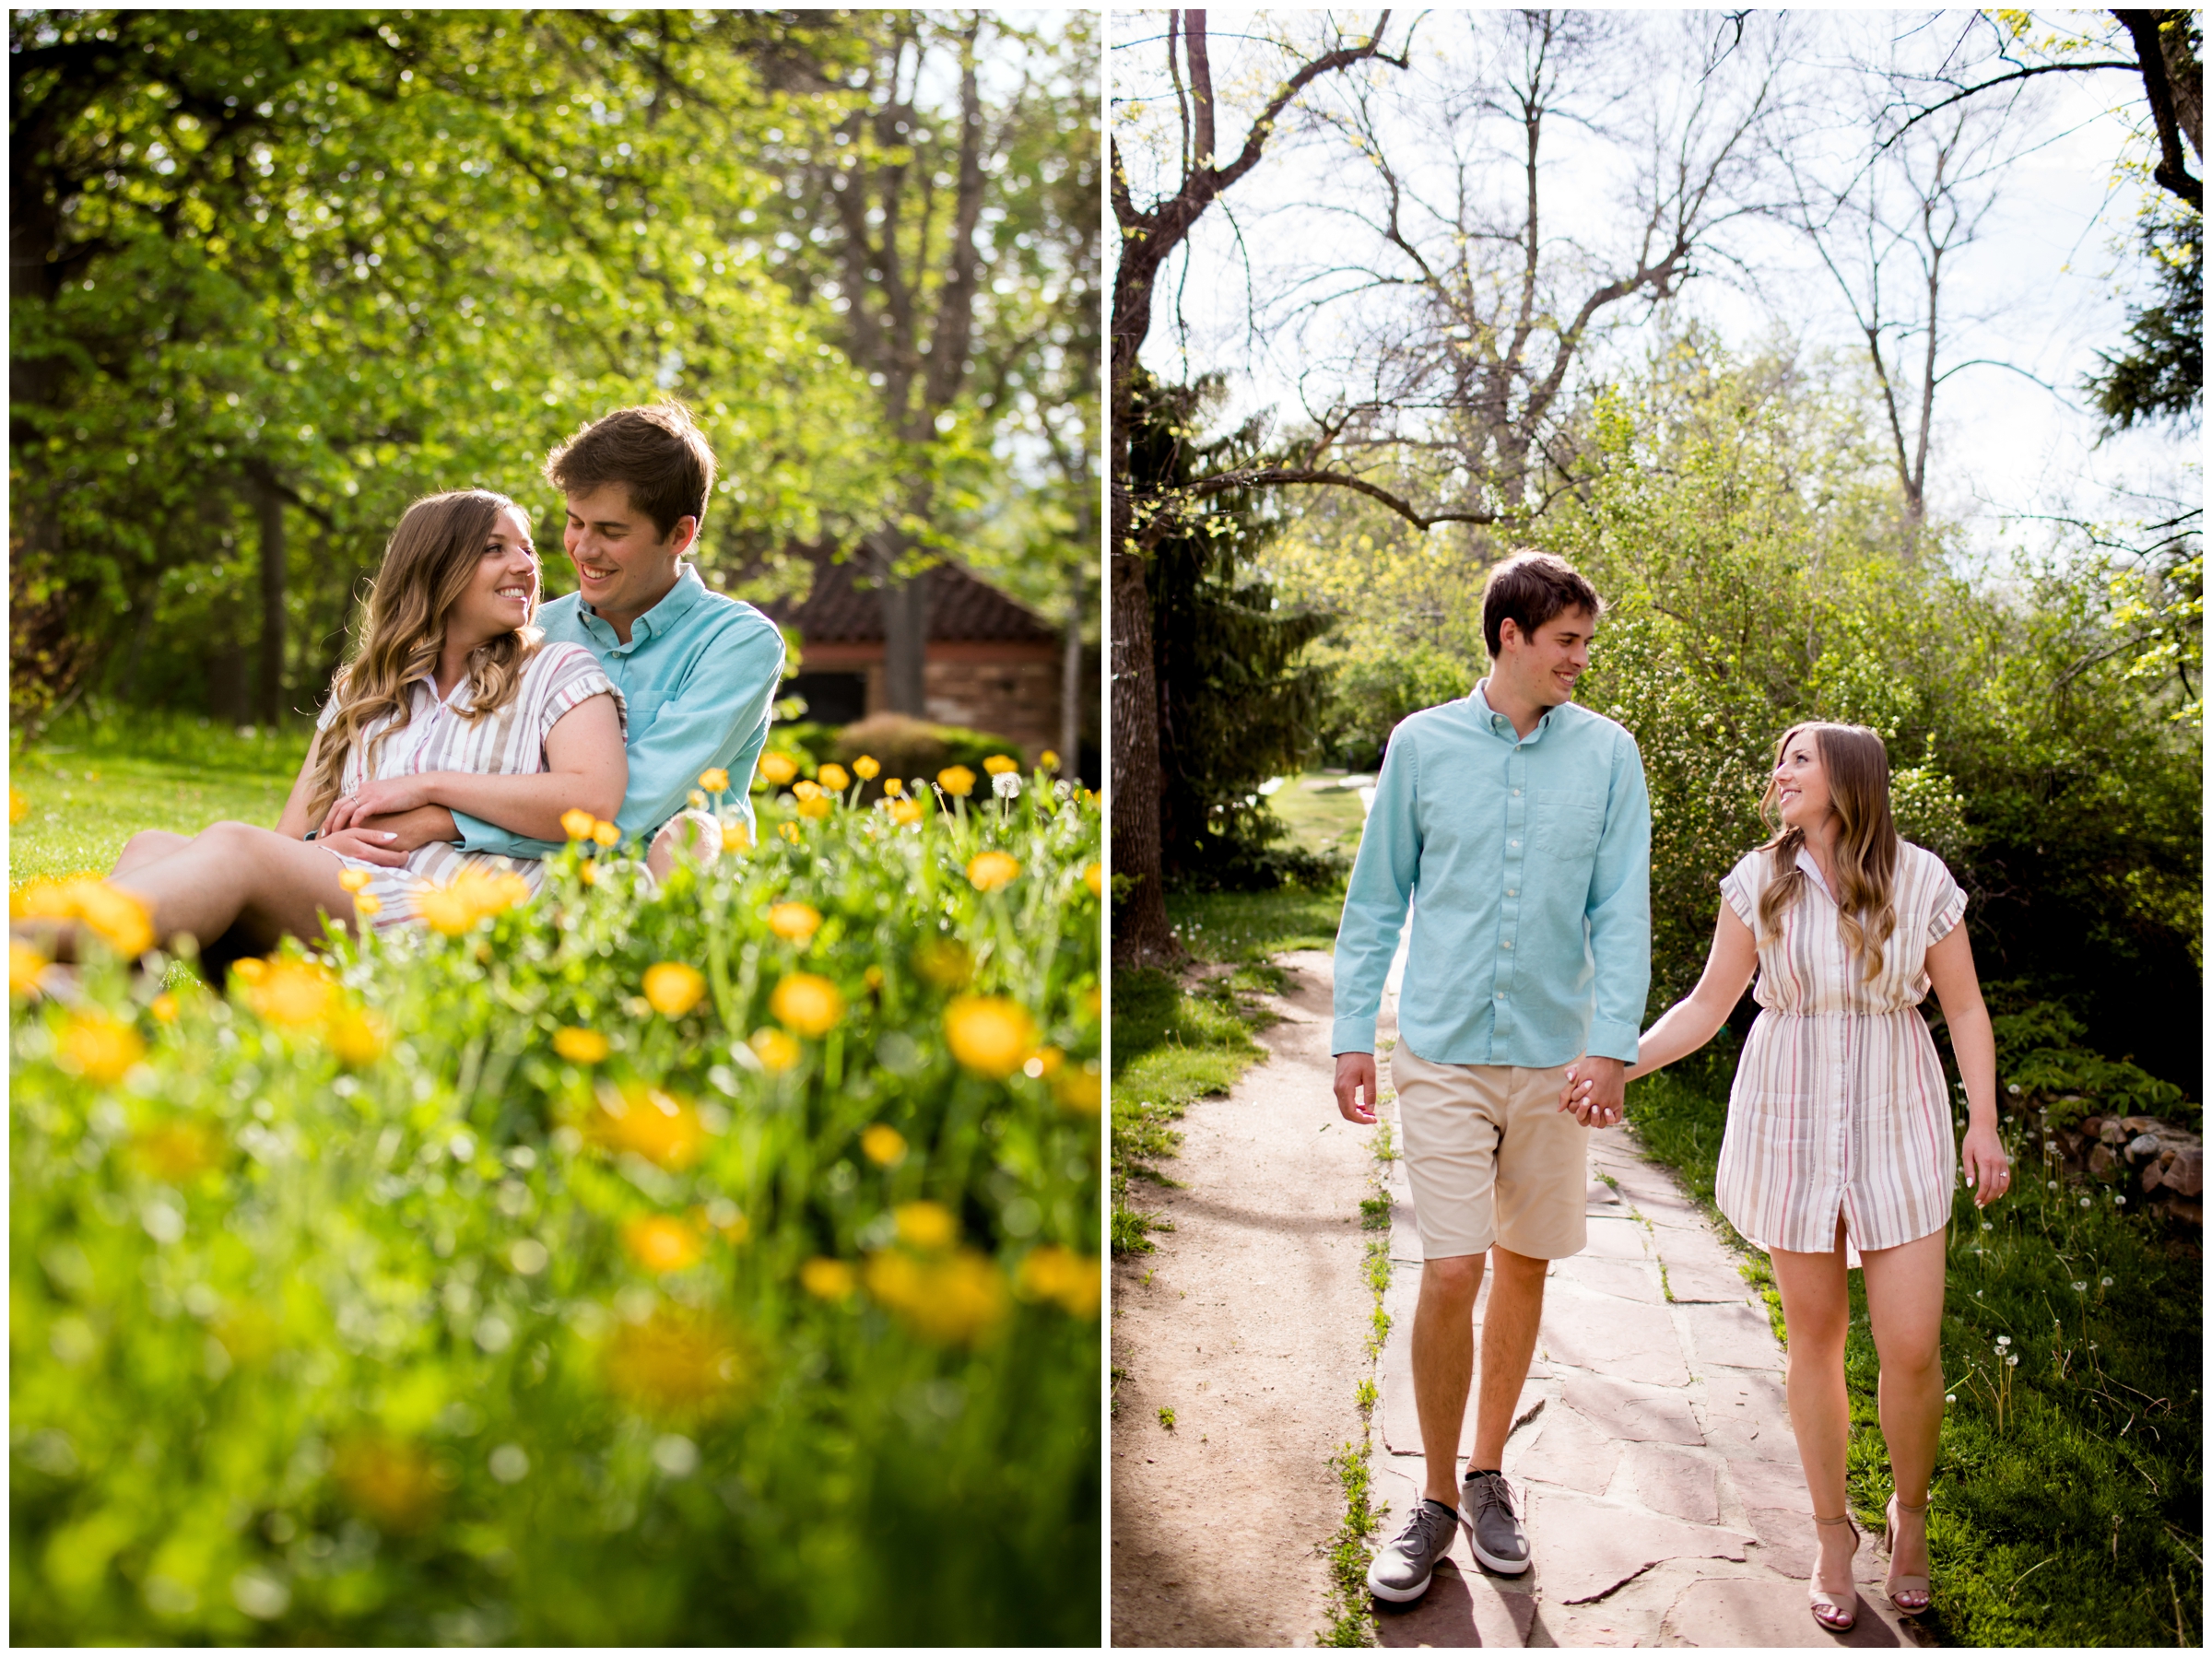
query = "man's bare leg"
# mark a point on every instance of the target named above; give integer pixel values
(1443, 1366)
(234, 874)
(1509, 1341)
(695, 833)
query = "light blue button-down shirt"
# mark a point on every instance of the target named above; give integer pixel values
(700, 676)
(1531, 861)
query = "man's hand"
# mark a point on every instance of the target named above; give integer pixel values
(1593, 1091)
(1356, 1087)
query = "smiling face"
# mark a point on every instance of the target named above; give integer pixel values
(502, 593)
(1542, 666)
(1800, 788)
(624, 565)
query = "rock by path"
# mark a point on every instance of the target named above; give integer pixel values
(1248, 1320)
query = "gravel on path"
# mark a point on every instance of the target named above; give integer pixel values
(1248, 1321)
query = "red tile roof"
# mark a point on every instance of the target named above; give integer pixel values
(961, 607)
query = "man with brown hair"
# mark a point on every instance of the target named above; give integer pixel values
(1522, 822)
(697, 672)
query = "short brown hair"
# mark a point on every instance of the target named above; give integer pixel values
(1533, 587)
(655, 453)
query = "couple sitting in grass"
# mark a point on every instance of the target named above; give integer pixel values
(470, 720)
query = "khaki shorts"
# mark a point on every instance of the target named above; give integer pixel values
(1492, 1159)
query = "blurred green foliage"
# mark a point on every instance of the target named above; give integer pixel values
(622, 1269)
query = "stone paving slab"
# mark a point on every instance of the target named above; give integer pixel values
(1654, 1453)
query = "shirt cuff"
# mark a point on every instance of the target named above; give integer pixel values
(1352, 1035)
(1609, 1039)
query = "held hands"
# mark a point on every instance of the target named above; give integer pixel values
(1988, 1170)
(1356, 1087)
(1593, 1091)
(384, 798)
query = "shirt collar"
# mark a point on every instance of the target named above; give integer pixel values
(1497, 723)
(689, 590)
(1811, 865)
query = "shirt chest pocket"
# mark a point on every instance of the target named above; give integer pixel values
(1566, 824)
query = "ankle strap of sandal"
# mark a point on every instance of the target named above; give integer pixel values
(1905, 1506)
(1843, 1519)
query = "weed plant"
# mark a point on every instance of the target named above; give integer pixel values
(2067, 1496)
(706, 1266)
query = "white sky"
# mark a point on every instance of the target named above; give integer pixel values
(2046, 285)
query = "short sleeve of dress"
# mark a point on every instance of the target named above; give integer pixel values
(1947, 907)
(568, 675)
(1741, 887)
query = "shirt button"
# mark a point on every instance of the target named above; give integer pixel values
(1508, 943)
(1511, 892)
(1501, 995)
(1512, 842)
(1516, 793)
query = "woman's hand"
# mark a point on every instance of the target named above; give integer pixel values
(385, 798)
(1988, 1170)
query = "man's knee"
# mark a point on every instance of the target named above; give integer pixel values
(694, 833)
(1453, 1278)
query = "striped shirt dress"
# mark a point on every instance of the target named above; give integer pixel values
(436, 738)
(1840, 1104)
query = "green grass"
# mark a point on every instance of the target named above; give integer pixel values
(97, 780)
(2068, 1488)
(1320, 819)
(1248, 927)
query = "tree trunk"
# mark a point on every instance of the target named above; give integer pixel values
(1071, 679)
(269, 506)
(1141, 937)
(905, 628)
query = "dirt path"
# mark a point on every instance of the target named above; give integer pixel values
(1248, 1321)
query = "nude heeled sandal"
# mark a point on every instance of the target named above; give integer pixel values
(1836, 1614)
(1908, 1593)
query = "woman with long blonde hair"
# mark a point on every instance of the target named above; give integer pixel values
(1838, 1151)
(451, 700)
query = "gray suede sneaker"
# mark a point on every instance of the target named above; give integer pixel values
(1486, 1508)
(1401, 1571)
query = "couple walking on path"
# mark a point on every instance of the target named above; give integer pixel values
(1521, 824)
(471, 725)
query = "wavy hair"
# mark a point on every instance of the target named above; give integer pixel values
(428, 564)
(1858, 790)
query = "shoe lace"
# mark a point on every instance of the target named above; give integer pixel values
(1419, 1527)
(1491, 1491)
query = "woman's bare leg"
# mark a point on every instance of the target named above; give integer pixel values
(1904, 1303)
(149, 845)
(1816, 1302)
(233, 873)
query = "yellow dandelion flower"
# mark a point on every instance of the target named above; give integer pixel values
(661, 1244)
(893, 786)
(26, 969)
(736, 835)
(905, 813)
(989, 1034)
(808, 1002)
(119, 918)
(678, 1364)
(816, 809)
(697, 800)
(174, 1152)
(776, 1051)
(658, 1126)
(580, 1046)
(673, 988)
(250, 971)
(1094, 876)
(606, 834)
(18, 806)
(391, 1482)
(357, 1036)
(779, 768)
(944, 962)
(790, 832)
(806, 788)
(1080, 1091)
(589, 874)
(867, 769)
(987, 871)
(98, 1048)
(1044, 1063)
(829, 1279)
(353, 880)
(957, 780)
(833, 776)
(797, 921)
(714, 780)
(295, 994)
(1000, 763)
(368, 905)
(1052, 1272)
(955, 1300)
(883, 1145)
(578, 823)
(1048, 762)
(926, 1226)
(164, 1007)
